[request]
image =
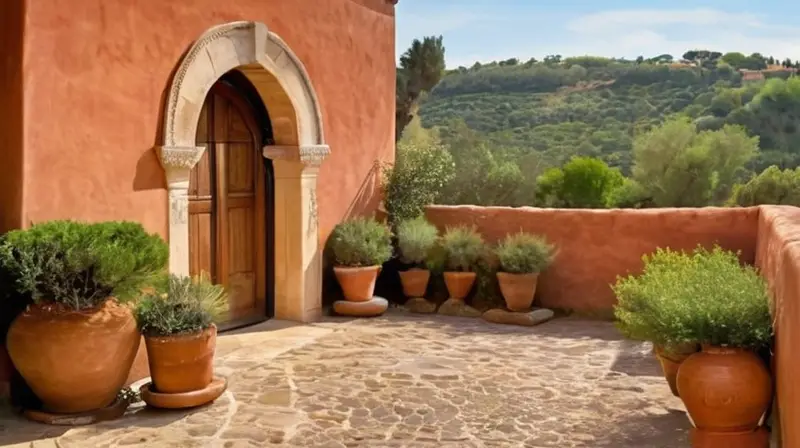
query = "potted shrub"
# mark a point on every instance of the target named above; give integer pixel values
(75, 344)
(707, 298)
(463, 248)
(180, 336)
(522, 257)
(359, 247)
(415, 240)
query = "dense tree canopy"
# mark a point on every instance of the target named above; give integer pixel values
(598, 132)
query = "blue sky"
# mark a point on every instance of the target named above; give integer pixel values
(487, 30)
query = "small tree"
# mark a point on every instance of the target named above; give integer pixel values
(771, 186)
(417, 178)
(680, 167)
(584, 182)
(421, 68)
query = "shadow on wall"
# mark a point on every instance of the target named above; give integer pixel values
(365, 203)
(149, 174)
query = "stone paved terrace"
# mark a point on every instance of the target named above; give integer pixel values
(408, 381)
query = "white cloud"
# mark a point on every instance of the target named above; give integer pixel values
(613, 20)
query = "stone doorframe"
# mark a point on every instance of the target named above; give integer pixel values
(298, 261)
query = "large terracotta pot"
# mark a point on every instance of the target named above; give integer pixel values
(671, 361)
(358, 284)
(725, 389)
(74, 361)
(459, 284)
(518, 289)
(415, 282)
(182, 363)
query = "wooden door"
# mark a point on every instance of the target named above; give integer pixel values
(227, 223)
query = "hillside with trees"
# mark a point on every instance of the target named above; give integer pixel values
(598, 132)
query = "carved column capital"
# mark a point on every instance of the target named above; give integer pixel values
(311, 156)
(179, 157)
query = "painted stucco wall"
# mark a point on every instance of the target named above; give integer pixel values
(595, 246)
(12, 14)
(778, 258)
(97, 71)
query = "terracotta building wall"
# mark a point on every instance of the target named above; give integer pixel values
(12, 19)
(97, 72)
(778, 258)
(595, 246)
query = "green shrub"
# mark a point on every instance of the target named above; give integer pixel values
(187, 306)
(629, 194)
(703, 297)
(79, 265)
(415, 239)
(523, 253)
(416, 180)
(583, 182)
(463, 248)
(771, 186)
(361, 242)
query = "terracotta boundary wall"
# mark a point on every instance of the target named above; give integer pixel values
(595, 246)
(778, 258)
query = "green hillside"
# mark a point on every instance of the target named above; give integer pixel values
(593, 106)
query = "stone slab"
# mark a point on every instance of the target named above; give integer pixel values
(420, 305)
(370, 308)
(527, 319)
(111, 412)
(456, 307)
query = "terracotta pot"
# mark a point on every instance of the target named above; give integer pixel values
(725, 389)
(141, 366)
(74, 361)
(671, 360)
(182, 363)
(518, 289)
(415, 282)
(459, 284)
(358, 284)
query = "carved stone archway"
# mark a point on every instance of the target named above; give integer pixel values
(284, 86)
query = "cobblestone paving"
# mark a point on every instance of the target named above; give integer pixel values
(407, 381)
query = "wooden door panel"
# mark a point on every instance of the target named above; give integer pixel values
(201, 254)
(227, 223)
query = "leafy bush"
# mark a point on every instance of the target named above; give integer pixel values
(187, 306)
(463, 248)
(630, 194)
(79, 265)
(416, 179)
(702, 297)
(771, 186)
(523, 253)
(361, 242)
(415, 239)
(583, 182)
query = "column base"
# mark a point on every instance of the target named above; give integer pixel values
(706, 439)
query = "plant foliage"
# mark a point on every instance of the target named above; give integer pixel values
(416, 180)
(463, 248)
(361, 242)
(188, 305)
(78, 265)
(416, 239)
(704, 297)
(523, 253)
(771, 186)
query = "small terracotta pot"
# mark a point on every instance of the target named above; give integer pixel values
(415, 282)
(182, 363)
(74, 361)
(671, 360)
(725, 389)
(358, 284)
(459, 284)
(518, 289)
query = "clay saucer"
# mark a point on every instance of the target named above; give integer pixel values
(111, 412)
(184, 400)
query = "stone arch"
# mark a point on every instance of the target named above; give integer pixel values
(284, 86)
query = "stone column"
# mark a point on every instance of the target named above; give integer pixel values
(178, 163)
(298, 256)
